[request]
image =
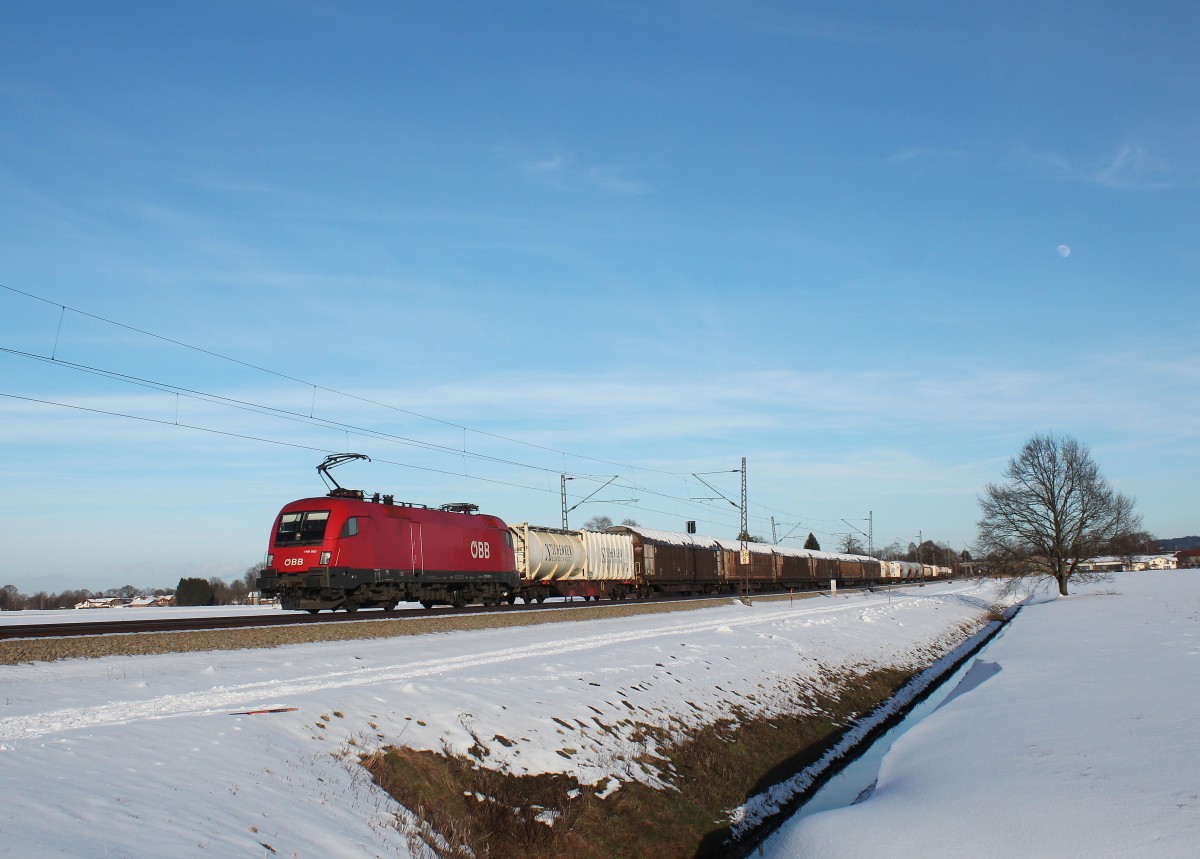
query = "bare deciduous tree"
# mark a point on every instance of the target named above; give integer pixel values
(851, 545)
(250, 578)
(1054, 511)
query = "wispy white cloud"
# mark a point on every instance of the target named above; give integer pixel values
(1130, 167)
(930, 156)
(565, 172)
(820, 443)
(1126, 393)
(212, 179)
(776, 21)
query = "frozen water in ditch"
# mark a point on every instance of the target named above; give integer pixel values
(856, 781)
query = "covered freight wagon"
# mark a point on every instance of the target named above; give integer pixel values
(670, 562)
(757, 575)
(558, 562)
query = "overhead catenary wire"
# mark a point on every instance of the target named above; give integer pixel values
(311, 418)
(305, 382)
(281, 443)
(297, 417)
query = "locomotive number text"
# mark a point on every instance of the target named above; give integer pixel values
(481, 549)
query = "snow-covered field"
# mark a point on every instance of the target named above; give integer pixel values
(145, 756)
(1075, 734)
(149, 756)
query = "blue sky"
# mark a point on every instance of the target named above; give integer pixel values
(870, 249)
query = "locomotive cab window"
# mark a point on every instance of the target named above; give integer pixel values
(350, 529)
(305, 528)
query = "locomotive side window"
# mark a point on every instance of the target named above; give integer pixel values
(305, 528)
(350, 529)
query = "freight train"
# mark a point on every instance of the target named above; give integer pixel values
(349, 551)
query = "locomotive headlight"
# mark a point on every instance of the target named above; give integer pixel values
(324, 558)
(270, 560)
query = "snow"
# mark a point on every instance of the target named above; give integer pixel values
(1074, 734)
(125, 614)
(140, 756)
(1079, 743)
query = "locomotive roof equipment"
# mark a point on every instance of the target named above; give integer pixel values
(336, 490)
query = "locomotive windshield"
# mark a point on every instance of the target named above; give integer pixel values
(306, 528)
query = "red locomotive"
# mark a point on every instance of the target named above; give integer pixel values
(345, 550)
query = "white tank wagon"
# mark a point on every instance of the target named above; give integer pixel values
(607, 557)
(557, 562)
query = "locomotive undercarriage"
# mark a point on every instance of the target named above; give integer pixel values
(351, 590)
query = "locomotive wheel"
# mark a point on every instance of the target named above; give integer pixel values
(313, 610)
(350, 606)
(511, 599)
(427, 604)
(459, 599)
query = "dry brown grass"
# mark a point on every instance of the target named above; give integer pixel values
(466, 809)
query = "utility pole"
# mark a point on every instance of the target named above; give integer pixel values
(871, 533)
(745, 535)
(564, 500)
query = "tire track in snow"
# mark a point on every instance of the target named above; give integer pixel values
(247, 696)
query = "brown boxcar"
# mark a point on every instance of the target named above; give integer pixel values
(758, 575)
(670, 562)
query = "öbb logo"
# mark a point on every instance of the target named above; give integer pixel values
(480, 549)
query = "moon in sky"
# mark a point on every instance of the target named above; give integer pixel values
(1064, 251)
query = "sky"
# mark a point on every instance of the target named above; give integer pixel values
(870, 250)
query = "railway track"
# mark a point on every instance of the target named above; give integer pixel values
(155, 635)
(78, 629)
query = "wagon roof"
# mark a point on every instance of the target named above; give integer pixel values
(674, 538)
(670, 538)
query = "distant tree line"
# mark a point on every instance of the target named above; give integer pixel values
(927, 552)
(214, 591)
(603, 523)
